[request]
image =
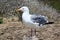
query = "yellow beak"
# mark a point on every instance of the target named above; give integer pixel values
(17, 10)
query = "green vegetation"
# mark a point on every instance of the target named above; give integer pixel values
(1, 20)
(20, 16)
(1, 14)
(54, 3)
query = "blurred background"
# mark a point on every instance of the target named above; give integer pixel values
(50, 8)
(11, 27)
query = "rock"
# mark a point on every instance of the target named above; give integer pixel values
(34, 38)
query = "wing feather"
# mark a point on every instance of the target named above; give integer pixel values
(39, 19)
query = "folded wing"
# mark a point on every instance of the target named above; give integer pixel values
(39, 19)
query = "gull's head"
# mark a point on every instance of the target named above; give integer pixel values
(23, 9)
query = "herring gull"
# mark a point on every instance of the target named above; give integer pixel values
(27, 18)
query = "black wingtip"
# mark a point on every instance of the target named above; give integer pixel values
(49, 23)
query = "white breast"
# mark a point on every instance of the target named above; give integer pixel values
(26, 17)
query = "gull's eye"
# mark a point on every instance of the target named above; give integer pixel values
(23, 8)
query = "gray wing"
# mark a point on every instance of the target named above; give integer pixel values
(39, 19)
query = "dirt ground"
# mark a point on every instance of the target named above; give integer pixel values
(16, 31)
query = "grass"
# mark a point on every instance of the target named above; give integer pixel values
(54, 3)
(20, 16)
(1, 20)
(1, 14)
(1, 17)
